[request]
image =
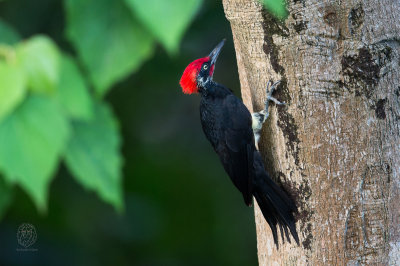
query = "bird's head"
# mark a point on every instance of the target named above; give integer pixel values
(198, 73)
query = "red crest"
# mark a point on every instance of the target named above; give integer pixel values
(188, 80)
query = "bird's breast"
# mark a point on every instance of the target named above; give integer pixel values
(210, 115)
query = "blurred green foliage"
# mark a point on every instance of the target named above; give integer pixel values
(35, 74)
(276, 7)
(45, 94)
(59, 60)
(94, 158)
(32, 138)
(166, 20)
(110, 42)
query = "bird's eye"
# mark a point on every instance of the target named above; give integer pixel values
(205, 67)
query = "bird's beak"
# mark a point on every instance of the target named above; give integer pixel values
(214, 53)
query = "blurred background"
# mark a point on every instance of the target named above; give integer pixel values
(178, 205)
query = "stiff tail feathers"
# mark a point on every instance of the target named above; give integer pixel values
(276, 206)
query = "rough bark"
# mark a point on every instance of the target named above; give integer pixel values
(335, 146)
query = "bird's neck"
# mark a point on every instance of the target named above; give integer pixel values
(213, 89)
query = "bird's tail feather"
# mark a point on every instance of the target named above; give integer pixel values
(276, 206)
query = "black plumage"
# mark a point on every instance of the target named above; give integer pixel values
(227, 124)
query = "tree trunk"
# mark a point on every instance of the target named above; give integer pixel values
(335, 146)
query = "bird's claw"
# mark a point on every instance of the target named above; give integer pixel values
(272, 99)
(269, 90)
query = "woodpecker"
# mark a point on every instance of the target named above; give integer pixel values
(234, 133)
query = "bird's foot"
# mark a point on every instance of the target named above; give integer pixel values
(259, 118)
(269, 90)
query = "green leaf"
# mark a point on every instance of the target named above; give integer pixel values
(12, 88)
(7, 34)
(39, 57)
(167, 20)
(6, 195)
(31, 140)
(93, 155)
(277, 7)
(73, 94)
(109, 42)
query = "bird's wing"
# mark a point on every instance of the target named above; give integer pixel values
(236, 148)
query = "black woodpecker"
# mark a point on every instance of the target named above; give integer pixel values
(234, 132)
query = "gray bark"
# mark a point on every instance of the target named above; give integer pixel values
(335, 146)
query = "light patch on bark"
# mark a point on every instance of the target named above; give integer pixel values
(394, 254)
